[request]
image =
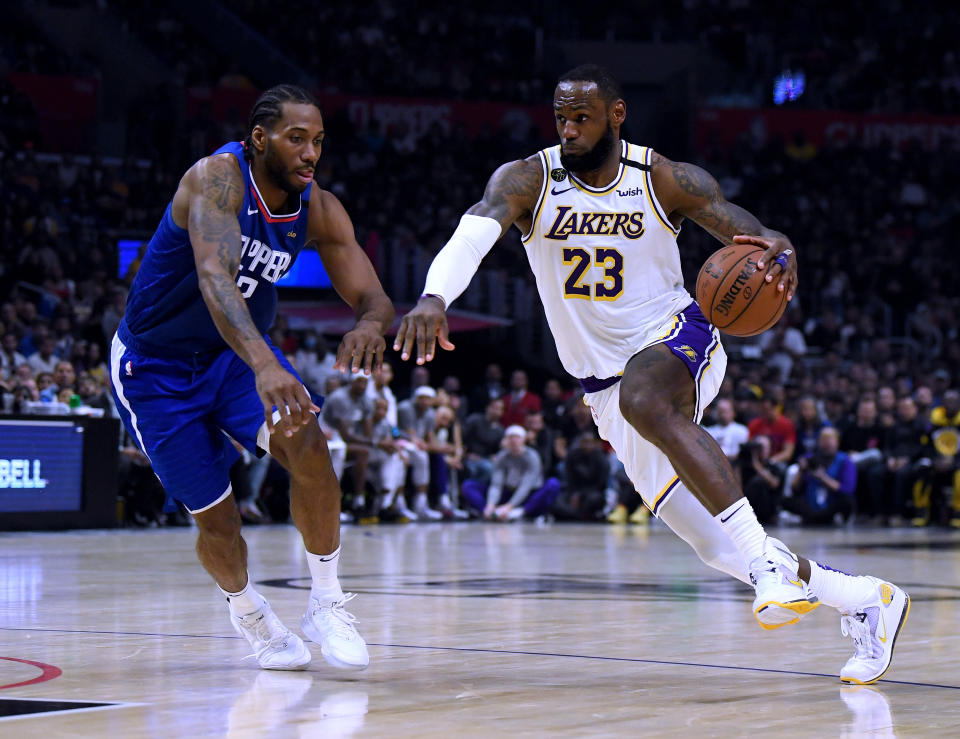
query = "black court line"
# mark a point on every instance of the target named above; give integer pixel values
(480, 650)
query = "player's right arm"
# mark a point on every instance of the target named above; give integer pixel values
(212, 193)
(509, 199)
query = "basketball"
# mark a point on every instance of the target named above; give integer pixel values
(733, 294)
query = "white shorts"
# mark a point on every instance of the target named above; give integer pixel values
(647, 467)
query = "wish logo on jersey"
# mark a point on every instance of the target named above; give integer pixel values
(573, 223)
(260, 259)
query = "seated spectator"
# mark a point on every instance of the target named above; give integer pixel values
(729, 434)
(44, 359)
(46, 387)
(92, 394)
(554, 403)
(63, 376)
(416, 419)
(862, 440)
(516, 488)
(519, 400)
(445, 447)
(349, 412)
(382, 376)
(540, 438)
(782, 346)
(776, 427)
(762, 479)
(492, 387)
(583, 494)
(903, 448)
(390, 459)
(10, 358)
(482, 434)
(823, 491)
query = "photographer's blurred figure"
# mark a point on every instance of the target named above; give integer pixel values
(762, 479)
(823, 491)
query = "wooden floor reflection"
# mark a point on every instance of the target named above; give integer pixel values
(474, 630)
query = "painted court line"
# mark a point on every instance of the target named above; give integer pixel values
(479, 650)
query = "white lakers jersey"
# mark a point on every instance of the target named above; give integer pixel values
(606, 263)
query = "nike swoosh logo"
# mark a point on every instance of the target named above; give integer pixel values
(882, 625)
(555, 191)
(724, 520)
(798, 583)
(252, 212)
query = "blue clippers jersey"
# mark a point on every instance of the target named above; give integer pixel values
(166, 313)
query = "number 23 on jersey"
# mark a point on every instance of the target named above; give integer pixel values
(610, 288)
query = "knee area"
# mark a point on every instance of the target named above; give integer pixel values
(221, 527)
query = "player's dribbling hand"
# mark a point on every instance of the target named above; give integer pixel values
(426, 324)
(361, 348)
(780, 258)
(278, 388)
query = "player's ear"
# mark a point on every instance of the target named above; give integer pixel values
(618, 112)
(259, 138)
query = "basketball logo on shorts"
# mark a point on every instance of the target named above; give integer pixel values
(128, 367)
(558, 175)
(688, 352)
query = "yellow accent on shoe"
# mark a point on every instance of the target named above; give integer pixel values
(903, 622)
(800, 607)
(886, 594)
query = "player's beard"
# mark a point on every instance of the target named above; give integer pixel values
(278, 173)
(593, 159)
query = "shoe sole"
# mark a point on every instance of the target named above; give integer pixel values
(782, 614)
(893, 644)
(314, 636)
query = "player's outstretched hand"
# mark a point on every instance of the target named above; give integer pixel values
(425, 325)
(361, 348)
(780, 258)
(278, 388)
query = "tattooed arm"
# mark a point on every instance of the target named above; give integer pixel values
(211, 193)
(687, 191)
(509, 199)
(511, 194)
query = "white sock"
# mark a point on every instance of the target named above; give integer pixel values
(323, 569)
(838, 589)
(741, 525)
(246, 601)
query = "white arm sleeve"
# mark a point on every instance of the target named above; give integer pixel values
(457, 262)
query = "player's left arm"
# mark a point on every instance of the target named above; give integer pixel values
(688, 191)
(352, 275)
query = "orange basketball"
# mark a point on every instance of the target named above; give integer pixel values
(733, 294)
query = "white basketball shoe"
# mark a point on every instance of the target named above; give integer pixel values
(330, 626)
(782, 597)
(874, 627)
(274, 645)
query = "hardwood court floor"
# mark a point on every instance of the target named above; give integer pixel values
(474, 630)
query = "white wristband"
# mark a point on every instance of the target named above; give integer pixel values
(457, 262)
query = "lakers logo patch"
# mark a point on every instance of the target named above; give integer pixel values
(886, 594)
(558, 175)
(688, 352)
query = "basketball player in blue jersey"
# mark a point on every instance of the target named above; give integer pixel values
(191, 364)
(599, 218)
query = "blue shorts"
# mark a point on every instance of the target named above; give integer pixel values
(181, 411)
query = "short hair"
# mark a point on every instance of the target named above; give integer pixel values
(269, 109)
(607, 86)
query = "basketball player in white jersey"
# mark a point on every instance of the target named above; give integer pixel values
(599, 218)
